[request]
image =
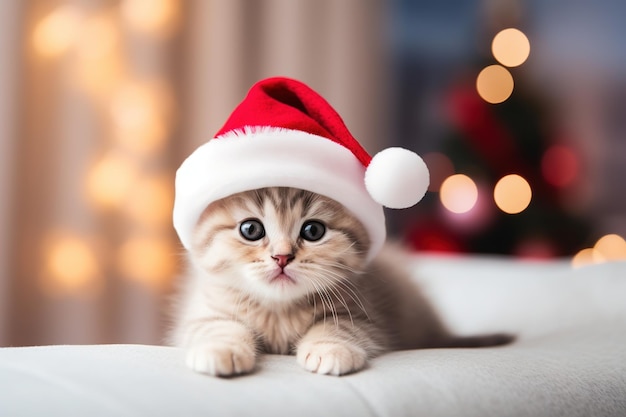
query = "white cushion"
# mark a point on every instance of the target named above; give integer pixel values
(570, 360)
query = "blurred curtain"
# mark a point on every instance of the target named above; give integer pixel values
(8, 69)
(101, 102)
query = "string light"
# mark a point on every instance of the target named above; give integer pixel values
(494, 84)
(512, 194)
(98, 37)
(148, 260)
(141, 114)
(510, 47)
(154, 17)
(70, 265)
(56, 32)
(111, 180)
(151, 202)
(610, 247)
(584, 257)
(458, 193)
(98, 57)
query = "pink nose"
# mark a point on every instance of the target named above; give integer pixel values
(283, 260)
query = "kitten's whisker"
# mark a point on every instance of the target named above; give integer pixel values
(333, 308)
(338, 279)
(341, 266)
(336, 292)
(319, 290)
(341, 299)
(328, 300)
(355, 297)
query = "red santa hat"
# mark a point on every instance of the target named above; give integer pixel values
(284, 134)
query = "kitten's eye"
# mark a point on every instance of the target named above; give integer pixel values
(252, 229)
(312, 231)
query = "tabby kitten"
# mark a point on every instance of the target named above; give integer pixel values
(282, 270)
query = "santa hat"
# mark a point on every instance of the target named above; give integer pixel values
(284, 134)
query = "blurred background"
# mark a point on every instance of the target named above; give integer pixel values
(516, 106)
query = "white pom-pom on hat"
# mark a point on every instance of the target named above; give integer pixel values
(397, 178)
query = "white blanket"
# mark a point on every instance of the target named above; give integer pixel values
(570, 360)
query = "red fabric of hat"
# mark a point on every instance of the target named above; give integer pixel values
(286, 103)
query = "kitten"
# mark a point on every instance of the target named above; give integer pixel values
(282, 270)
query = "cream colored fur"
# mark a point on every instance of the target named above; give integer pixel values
(328, 308)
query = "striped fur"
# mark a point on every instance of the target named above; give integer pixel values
(333, 313)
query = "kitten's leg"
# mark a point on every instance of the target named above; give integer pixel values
(336, 349)
(219, 347)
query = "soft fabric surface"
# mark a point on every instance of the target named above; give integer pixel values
(570, 360)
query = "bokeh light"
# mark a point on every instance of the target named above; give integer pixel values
(142, 114)
(98, 64)
(151, 202)
(98, 37)
(458, 193)
(71, 265)
(510, 47)
(584, 257)
(608, 248)
(111, 179)
(494, 84)
(512, 194)
(440, 167)
(611, 247)
(149, 260)
(154, 17)
(560, 165)
(57, 32)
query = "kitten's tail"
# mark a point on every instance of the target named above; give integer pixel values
(496, 339)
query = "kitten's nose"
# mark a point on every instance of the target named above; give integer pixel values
(283, 260)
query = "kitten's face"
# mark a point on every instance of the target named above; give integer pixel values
(279, 244)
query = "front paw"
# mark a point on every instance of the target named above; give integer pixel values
(221, 359)
(331, 358)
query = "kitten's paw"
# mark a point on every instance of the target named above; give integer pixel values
(331, 358)
(221, 359)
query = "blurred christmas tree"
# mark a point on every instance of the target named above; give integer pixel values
(506, 175)
(488, 142)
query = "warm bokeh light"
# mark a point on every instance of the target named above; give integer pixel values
(584, 257)
(610, 247)
(148, 260)
(98, 37)
(98, 55)
(71, 265)
(512, 194)
(458, 193)
(111, 180)
(142, 113)
(156, 17)
(494, 84)
(150, 203)
(57, 31)
(510, 47)
(440, 167)
(560, 166)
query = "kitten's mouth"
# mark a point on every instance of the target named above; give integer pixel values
(283, 278)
